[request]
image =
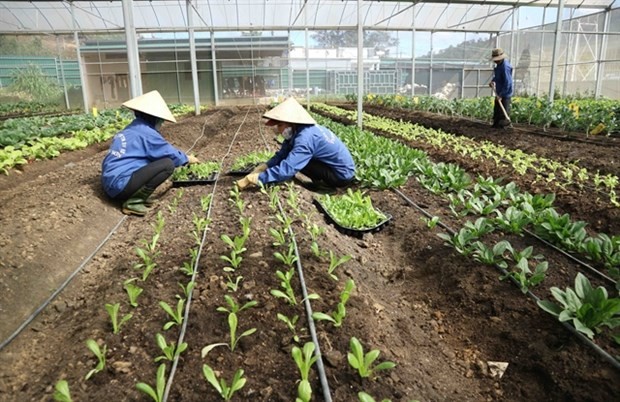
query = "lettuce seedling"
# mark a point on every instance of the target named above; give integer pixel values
(290, 323)
(99, 353)
(187, 289)
(133, 291)
(170, 351)
(362, 362)
(335, 263)
(112, 310)
(233, 320)
(285, 283)
(525, 277)
(337, 316)
(224, 390)
(61, 393)
(177, 316)
(590, 309)
(289, 258)
(158, 394)
(304, 360)
(364, 397)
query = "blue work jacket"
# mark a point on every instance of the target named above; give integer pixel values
(134, 147)
(502, 76)
(307, 143)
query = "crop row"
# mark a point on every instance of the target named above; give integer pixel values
(589, 116)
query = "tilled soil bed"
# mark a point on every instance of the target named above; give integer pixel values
(439, 316)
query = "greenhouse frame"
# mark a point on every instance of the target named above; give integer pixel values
(103, 52)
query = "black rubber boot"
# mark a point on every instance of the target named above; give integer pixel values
(137, 203)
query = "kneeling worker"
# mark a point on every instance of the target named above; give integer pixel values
(307, 148)
(140, 159)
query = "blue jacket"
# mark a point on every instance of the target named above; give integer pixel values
(134, 147)
(309, 142)
(502, 76)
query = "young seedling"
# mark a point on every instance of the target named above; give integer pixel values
(337, 316)
(205, 201)
(245, 226)
(290, 323)
(335, 262)
(272, 192)
(525, 277)
(285, 283)
(170, 351)
(148, 262)
(187, 289)
(304, 360)
(236, 249)
(133, 291)
(99, 354)
(233, 285)
(289, 258)
(293, 198)
(177, 316)
(225, 391)
(314, 231)
(364, 397)
(174, 204)
(200, 224)
(233, 322)
(112, 310)
(363, 362)
(156, 394)
(236, 200)
(188, 266)
(61, 392)
(279, 236)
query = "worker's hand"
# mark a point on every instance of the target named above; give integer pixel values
(252, 178)
(492, 84)
(192, 159)
(260, 168)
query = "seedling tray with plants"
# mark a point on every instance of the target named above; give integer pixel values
(246, 163)
(352, 213)
(195, 174)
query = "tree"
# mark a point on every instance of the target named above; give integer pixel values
(334, 39)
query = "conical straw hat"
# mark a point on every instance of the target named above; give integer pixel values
(151, 103)
(290, 111)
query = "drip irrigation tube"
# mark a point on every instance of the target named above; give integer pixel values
(61, 287)
(601, 352)
(571, 257)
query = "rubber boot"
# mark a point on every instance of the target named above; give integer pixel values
(136, 204)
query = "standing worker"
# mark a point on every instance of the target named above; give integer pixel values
(307, 148)
(501, 83)
(140, 159)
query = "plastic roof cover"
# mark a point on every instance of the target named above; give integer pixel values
(237, 15)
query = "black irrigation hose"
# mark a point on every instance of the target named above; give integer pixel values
(571, 257)
(188, 303)
(304, 290)
(61, 287)
(601, 352)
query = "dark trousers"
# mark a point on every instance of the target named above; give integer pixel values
(149, 176)
(319, 171)
(499, 120)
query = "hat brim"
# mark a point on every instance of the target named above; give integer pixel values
(498, 58)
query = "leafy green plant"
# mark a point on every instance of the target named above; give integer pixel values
(171, 351)
(290, 324)
(187, 288)
(174, 203)
(221, 386)
(363, 362)
(524, 275)
(196, 171)
(233, 322)
(462, 241)
(237, 247)
(588, 308)
(251, 159)
(352, 210)
(304, 359)
(133, 291)
(188, 267)
(177, 316)
(233, 284)
(337, 316)
(156, 394)
(99, 354)
(61, 392)
(335, 262)
(492, 255)
(285, 283)
(279, 236)
(289, 258)
(112, 310)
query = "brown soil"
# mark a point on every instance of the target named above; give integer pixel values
(439, 316)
